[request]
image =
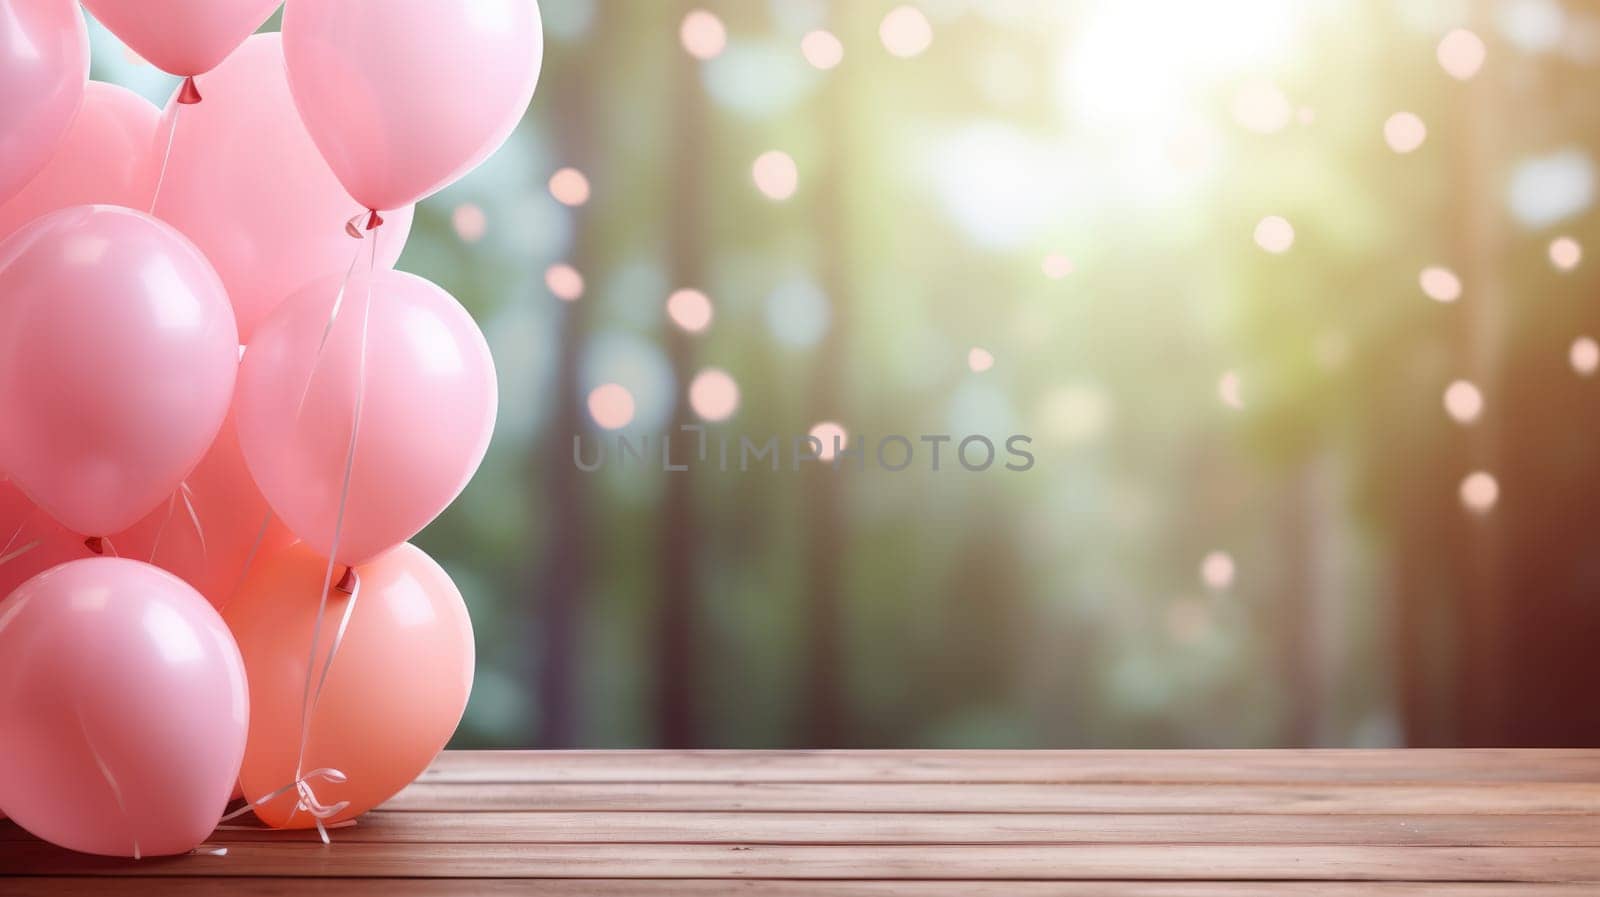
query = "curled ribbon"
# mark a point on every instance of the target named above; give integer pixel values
(306, 799)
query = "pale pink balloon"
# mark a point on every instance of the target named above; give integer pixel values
(405, 96)
(30, 542)
(44, 64)
(123, 709)
(427, 413)
(230, 531)
(248, 186)
(184, 37)
(117, 360)
(105, 157)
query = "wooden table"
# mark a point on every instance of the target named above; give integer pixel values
(942, 824)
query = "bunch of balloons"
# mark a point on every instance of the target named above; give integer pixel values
(223, 413)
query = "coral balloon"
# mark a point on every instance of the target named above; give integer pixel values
(394, 694)
(44, 65)
(405, 96)
(248, 186)
(231, 529)
(117, 361)
(427, 410)
(123, 711)
(183, 37)
(30, 542)
(105, 157)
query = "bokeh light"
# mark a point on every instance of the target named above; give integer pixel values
(1404, 132)
(570, 187)
(1461, 53)
(703, 34)
(469, 222)
(714, 395)
(564, 281)
(1479, 492)
(1057, 266)
(1463, 401)
(689, 309)
(822, 49)
(826, 432)
(905, 32)
(1274, 234)
(1260, 106)
(611, 406)
(1217, 570)
(776, 175)
(1439, 284)
(980, 359)
(1565, 253)
(1230, 389)
(1584, 356)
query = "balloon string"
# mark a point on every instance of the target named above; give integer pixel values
(333, 315)
(172, 131)
(255, 548)
(8, 558)
(21, 525)
(350, 583)
(155, 545)
(187, 495)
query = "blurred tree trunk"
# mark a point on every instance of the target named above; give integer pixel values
(685, 225)
(825, 722)
(1480, 244)
(560, 582)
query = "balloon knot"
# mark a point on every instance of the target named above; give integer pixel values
(190, 93)
(347, 582)
(95, 544)
(374, 220)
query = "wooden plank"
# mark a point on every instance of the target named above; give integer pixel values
(1105, 767)
(391, 887)
(899, 863)
(935, 828)
(1529, 798)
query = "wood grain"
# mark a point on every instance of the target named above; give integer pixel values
(503, 887)
(869, 824)
(711, 797)
(384, 827)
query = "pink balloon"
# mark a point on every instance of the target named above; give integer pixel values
(247, 184)
(22, 525)
(405, 96)
(104, 158)
(428, 410)
(117, 360)
(232, 528)
(123, 710)
(44, 64)
(184, 37)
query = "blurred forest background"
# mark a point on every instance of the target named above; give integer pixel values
(1290, 296)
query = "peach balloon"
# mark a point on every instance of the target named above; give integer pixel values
(247, 185)
(183, 37)
(105, 157)
(393, 696)
(232, 528)
(117, 360)
(426, 385)
(43, 69)
(123, 710)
